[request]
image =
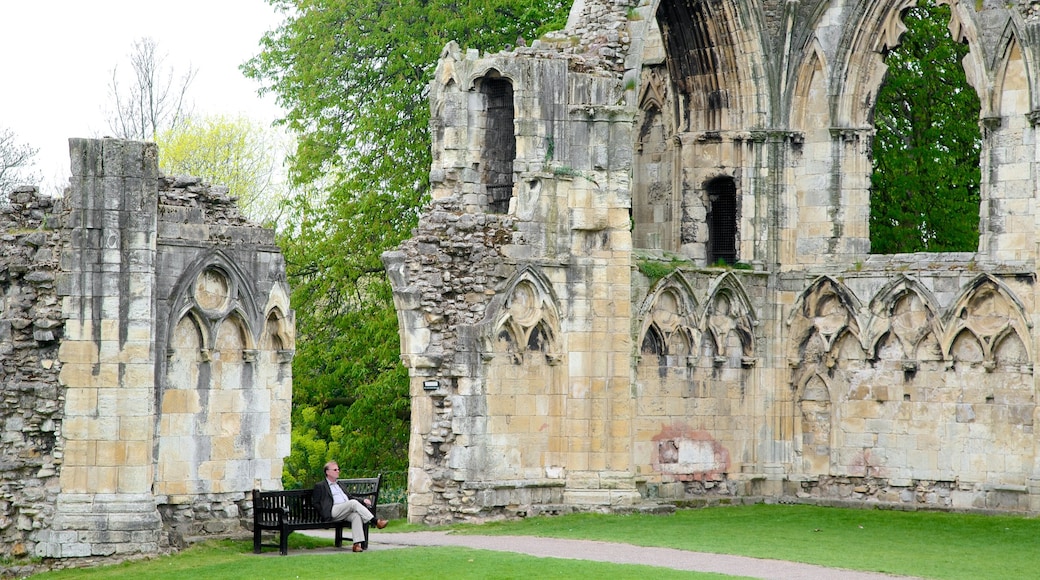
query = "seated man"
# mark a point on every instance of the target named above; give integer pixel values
(335, 505)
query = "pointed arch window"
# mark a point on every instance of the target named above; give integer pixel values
(926, 180)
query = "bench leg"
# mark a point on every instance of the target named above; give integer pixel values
(339, 536)
(364, 542)
(283, 541)
(256, 538)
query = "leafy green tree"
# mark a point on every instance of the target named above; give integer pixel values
(925, 185)
(236, 152)
(353, 76)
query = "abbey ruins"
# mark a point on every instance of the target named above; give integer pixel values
(146, 336)
(146, 342)
(549, 373)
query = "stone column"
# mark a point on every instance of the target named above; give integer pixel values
(108, 361)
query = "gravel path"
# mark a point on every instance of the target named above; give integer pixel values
(621, 554)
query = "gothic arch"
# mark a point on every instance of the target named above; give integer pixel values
(987, 310)
(962, 29)
(814, 424)
(669, 310)
(728, 309)
(1011, 56)
(654, 91)
(910, 324)
(201, 325)
(277, 331)
(237, 319)
(279, 317)
(186, 296)
(527, 318)
(825, 309)
(860, 68)
(653, 208)
(713, 76)
(523, 382)
(475, 76)
(811, 76)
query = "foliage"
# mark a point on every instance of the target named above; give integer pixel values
(654, 270)
(16, 161)
(352, 77)
(350, 396)
(154, 98)
(722, 263)
(925, 186)
(236, 152)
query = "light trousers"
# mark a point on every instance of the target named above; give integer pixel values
(356, 513)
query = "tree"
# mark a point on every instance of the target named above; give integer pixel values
(925, 185)
(153, 100)
(353, 76)
(236, 152)
(16, 161)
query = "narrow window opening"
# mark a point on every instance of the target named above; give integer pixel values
(722, 221)
(499, 143)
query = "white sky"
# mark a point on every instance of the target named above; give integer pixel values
(56, 58)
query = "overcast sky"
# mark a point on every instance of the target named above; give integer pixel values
(56, 58)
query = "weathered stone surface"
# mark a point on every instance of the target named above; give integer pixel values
(578, 332)
(105, 347)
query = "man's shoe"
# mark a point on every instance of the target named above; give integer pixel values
(357, 547)
(380, 524)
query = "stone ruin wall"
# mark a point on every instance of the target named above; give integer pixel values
(30, 331)
(553, 373)
(146, 341)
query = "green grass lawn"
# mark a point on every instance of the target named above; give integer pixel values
(926, 544)
(228, 560)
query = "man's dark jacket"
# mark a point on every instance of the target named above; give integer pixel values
(322, 499)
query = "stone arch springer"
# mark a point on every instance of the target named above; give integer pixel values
(527, 315)
(990, 312)
(492, 71)
(465, 77)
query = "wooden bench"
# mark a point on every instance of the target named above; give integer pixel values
(287, 511)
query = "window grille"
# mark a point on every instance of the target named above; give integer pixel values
(722, 221)
(499, 143)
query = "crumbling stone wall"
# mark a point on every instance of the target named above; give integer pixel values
(610, 363)
(33, 398)
(145, 340)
